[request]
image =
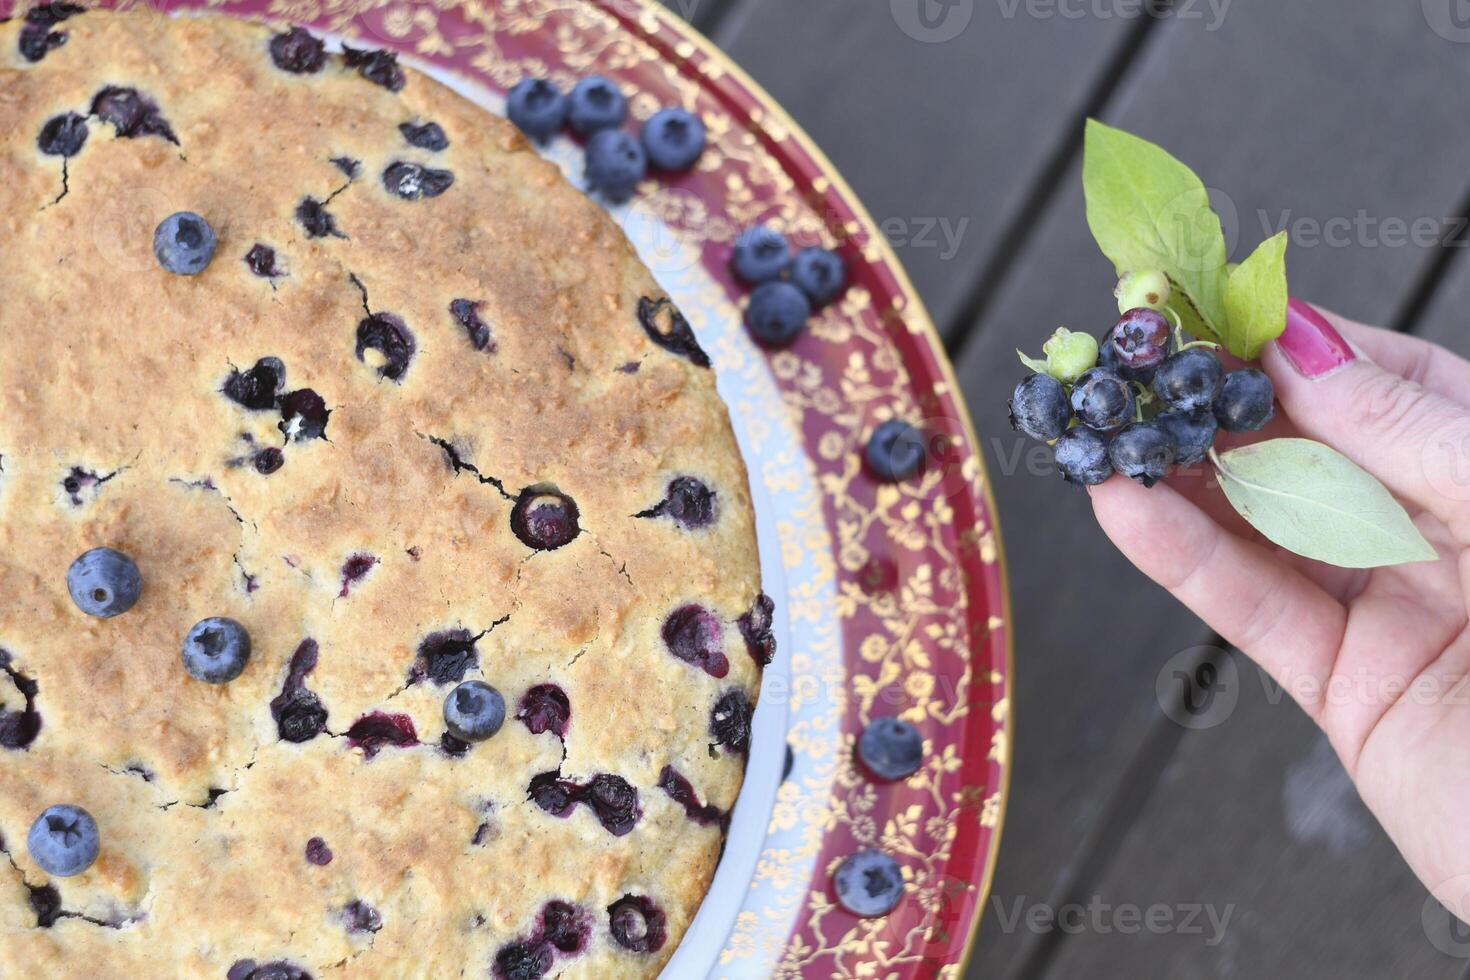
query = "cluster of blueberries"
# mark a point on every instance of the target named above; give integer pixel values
(1139, 404)
(786, 288)
(104, 583)
(671, 140)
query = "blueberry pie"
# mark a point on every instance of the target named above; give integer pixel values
(381, 584)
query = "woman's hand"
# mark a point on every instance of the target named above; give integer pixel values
(1379, 659)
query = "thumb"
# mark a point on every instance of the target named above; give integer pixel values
(1415, 442)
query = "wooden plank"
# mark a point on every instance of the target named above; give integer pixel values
(1261, 108)
(1255, 834)
(942, 141)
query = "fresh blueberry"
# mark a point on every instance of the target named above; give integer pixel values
(104, 583)
(565, 926)
(545, 708)
(777, 313)
(412, 182)
(729, 722)
(523, 961)
(36, 36)
(819, 273)
(895, 451)
(1190, 380)
(304, 415)
(1103, 400)
(474, 711)
(1193, 434)
(184, 243)
(426, 136)
(1143, 451)
(667, 327)
(869, 884)
(615, 164)
(378, 67)
(258, 387)
(596, 104)
(545, 519)
(316, 219)
(674, 139)
(64, 840)
(390, 339)
(761, 254)
(891, 748)
(63, 135)
(692, 633)
(1142, 338)
(298, 52)
(538, 107)
(1081, 456)
(1109, 359)
(1247, 401)
(1040, 408)
(268, 460)
(131, 113)
(687, 502)
(216, 650)
(261, 259)
(636, 924)
(466, 313)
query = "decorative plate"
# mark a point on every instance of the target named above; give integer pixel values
(890, 600)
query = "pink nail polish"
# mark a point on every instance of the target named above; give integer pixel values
(1310, 343)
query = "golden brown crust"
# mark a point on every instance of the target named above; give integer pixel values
(111, 365)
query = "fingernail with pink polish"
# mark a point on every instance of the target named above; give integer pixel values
(1311, 344)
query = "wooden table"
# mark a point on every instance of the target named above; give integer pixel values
(1343, 120)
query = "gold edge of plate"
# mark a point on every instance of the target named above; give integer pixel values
(918, 313)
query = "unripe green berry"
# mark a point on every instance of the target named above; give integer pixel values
(1148, 289)
(1069, 354)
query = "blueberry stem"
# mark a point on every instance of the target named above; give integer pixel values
(1179, 342)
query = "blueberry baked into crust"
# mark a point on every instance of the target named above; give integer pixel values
(422, 419)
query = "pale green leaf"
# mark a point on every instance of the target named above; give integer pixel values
(1036, 364)
(1255, 299)
(1312, 500)
(1149, 211)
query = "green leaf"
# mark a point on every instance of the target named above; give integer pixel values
(1255, 299)
(1149, 211)
(1035, 364)
(1312, 500)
